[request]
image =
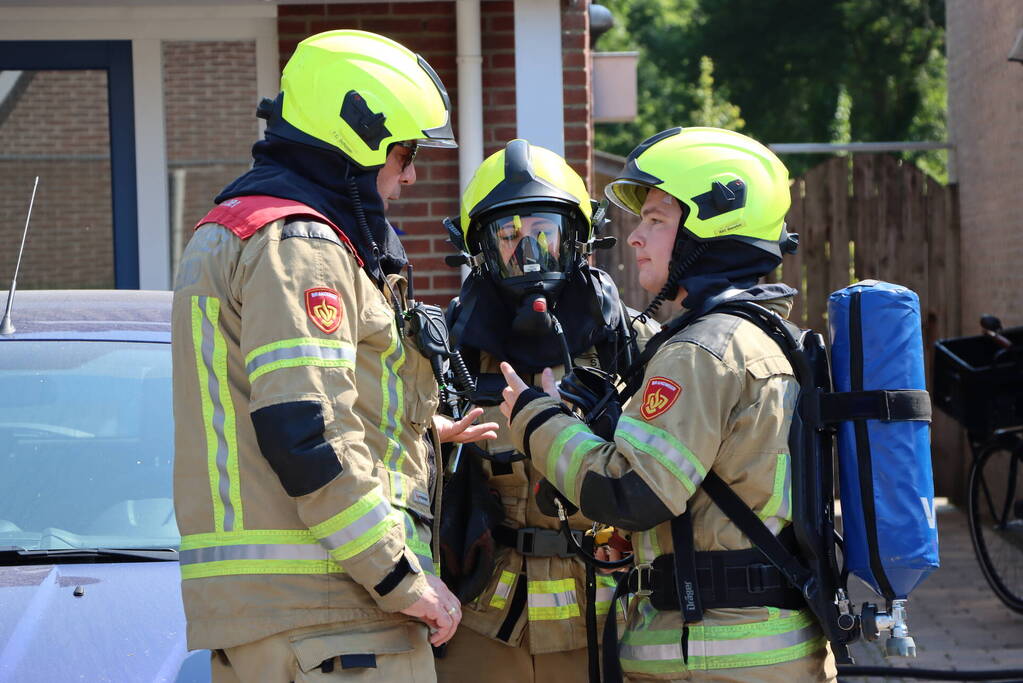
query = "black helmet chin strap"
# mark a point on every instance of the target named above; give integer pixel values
(684, 255)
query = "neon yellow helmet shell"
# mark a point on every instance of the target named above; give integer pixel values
(358, 92)
(731, 186)
(522, 173)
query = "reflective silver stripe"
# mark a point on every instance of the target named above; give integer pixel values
(762, 644)
(397, 486)
(659, 445)
(503, 589)
(393, 396)
(552, 599)
(649, 653)
(302, 351)
(254, 551)
(566, 457)
(645, 547)
(213, 386)
(605, 593)
(357, 528)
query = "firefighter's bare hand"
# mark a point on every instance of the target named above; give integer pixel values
(439, 609)
(464, 431)
(516, 386)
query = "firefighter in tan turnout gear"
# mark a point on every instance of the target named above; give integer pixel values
(717, 394)
(526, 225)
(305, 481)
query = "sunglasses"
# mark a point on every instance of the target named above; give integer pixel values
(413, 149)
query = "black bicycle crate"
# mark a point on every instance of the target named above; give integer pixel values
(982, 394)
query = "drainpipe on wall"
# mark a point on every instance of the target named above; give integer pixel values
(470, 94)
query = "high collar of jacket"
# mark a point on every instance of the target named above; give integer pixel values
(587, 307)
(729, 265)
(328, 182)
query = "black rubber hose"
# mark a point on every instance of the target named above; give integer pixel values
(1004, 675)
(592, 561)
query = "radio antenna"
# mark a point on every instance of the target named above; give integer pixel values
(6, 326)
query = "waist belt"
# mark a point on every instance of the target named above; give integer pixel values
(725, 578)
(536, 542)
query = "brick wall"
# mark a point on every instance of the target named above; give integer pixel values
(575, 56)
(58, 129)
(210, 105)
(429, 29)
(985, 99)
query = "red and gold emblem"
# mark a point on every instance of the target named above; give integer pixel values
(660, 394)
(323, 305)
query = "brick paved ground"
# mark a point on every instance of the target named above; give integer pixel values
(955, 618)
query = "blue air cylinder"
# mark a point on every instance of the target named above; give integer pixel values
(887, 486)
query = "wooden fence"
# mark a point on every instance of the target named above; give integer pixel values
(865, 216)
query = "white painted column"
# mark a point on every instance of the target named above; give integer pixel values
(470, 95)
(539, 101)
(151, 165)
(470, 90)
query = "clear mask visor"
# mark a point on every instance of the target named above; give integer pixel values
(529, 243)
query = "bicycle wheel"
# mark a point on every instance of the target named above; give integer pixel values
(996, 519)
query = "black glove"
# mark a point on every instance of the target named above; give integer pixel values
(593, 392)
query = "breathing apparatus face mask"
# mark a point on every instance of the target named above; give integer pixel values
(527, 255)
(524, 244)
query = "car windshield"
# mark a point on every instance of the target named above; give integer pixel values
(86, 445)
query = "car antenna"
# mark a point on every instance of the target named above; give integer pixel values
(6, 326)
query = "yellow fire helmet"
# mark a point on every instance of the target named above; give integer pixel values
(520, 191)
(358, 92)
(730, 186)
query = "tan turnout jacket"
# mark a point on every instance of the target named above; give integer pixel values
(555, 607)
(719, 394)
(284, 332)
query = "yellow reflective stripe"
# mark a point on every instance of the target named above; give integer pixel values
(422, 550)
(357, 527)
(605, 591)
(780, 503)
(549, 600)
(779, 639)
(664, 448)
(237, 567)
(218, 413)
(292, 343)
(300, 351)
(210, 540)
(504, 585)
(230, 426)
(566, 455)
(647, 650)
(259, 551)
(393, 400)
(207, 412)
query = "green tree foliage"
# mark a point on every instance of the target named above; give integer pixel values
(797, 70)
(667, 96)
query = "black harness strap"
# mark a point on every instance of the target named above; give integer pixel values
(881, 404)
(743, 517)
(515, 609)
(612, 665)
(686, 581)
(593, 659)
